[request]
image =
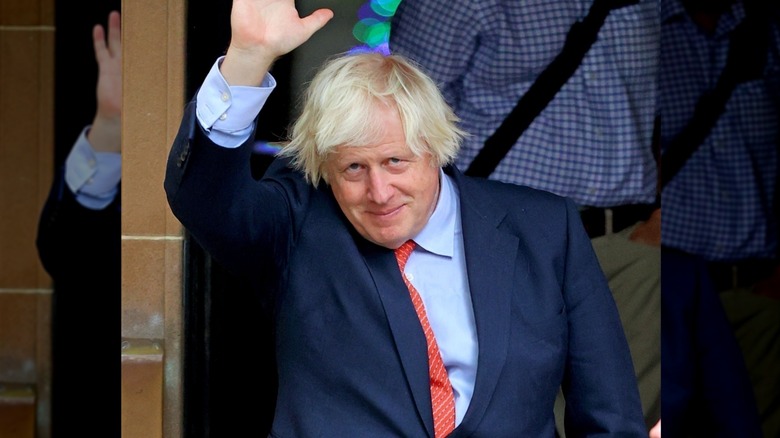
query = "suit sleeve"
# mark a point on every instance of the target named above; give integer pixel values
(76, 242)
(243, 223)
(600, 387)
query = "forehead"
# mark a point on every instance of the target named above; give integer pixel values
(384, 136)
(375, 152)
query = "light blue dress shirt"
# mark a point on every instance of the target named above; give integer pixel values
(436, 268)
(92, 176)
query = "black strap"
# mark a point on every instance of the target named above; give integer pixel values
(580, 38)
(746, 60)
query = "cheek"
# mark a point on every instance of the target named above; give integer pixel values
(427, 184)
(347, 195)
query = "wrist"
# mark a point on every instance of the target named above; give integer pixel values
(105, 134)
(242, 68)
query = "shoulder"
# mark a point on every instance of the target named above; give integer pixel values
(511, 196)
(516, 207)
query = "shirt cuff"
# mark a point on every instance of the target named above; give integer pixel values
(228, 112)
(92, 176)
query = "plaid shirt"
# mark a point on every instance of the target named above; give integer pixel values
(722, 204)
(592, 142)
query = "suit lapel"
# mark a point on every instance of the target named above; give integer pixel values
(491, 260)
(405, 326)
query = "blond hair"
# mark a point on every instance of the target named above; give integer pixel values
(340, 103)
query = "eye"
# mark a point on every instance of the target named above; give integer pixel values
(397, 165)
(353, 170)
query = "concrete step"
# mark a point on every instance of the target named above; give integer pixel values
(142, 388)
(17, 410)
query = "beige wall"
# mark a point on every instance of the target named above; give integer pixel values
(153, 100)
(153, 39)
(26, 163)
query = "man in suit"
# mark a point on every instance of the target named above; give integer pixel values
(78, 244)
(409, 300)
(592, 142)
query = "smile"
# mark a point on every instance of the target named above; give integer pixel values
(385, 214)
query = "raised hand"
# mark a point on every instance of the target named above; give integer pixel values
(105, 133)
(262, 31)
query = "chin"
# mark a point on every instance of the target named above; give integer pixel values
(386, 240)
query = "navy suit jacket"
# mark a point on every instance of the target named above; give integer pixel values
(80, 248)
(351, 355)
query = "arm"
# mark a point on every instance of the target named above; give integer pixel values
(599, 385)
(208, 183)
(82, 213)
(74, 241)
(93, 167)
(231, 96)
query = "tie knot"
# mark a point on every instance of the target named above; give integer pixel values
(402, 253)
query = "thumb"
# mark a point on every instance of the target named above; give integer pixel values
(317, 20)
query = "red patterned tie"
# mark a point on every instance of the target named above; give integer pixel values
(442, 398)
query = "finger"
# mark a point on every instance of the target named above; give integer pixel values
(99, 42)
(115, 33)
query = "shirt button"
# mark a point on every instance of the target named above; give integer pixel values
(89, 181)
(91, 163)
(223, 116)
(410, 276)
(225, 97)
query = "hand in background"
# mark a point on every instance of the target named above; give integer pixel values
(649, 232)
(105, 133)
(655, 432)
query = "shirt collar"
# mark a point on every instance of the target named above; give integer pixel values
(438, 235)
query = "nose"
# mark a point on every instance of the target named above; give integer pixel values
(380, 188)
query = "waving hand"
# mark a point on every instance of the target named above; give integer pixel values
(262, 31)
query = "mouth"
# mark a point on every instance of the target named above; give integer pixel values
(385, 214)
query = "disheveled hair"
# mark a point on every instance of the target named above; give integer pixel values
(339, 109)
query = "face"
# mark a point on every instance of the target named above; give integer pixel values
(386, 192)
